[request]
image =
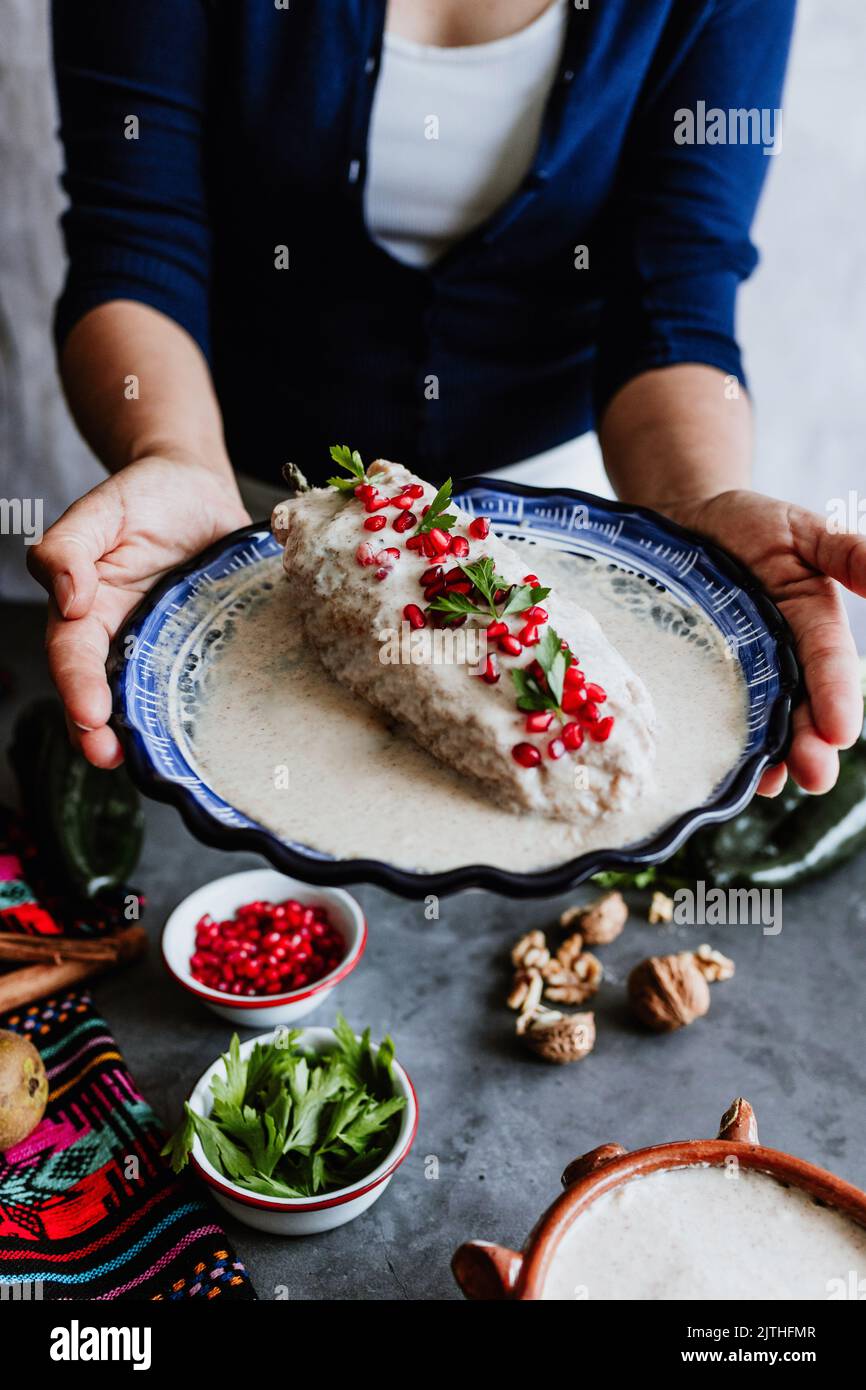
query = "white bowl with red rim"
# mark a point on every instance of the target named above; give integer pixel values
(304, 1216)
(221, 899)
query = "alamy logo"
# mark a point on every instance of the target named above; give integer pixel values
(411, 646)
(738, 126)
(25, 1292)
(77, 1343)
(22, 516)
(718, 907)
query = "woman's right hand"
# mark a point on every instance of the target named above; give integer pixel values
(102, 555)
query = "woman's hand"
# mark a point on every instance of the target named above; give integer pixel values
(801, 564)
(102, 555)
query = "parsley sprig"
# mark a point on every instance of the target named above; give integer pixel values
(290, 1123)
(349, 459)
(482, 574)
(554, 662)
(437, 514)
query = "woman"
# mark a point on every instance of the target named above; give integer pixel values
(455, 235)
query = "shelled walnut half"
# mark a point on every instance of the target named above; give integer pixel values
(572, 984)
(670, 992)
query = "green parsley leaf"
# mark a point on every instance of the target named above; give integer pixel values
(530, 696)
(482, 573)
(349, 459)
(437, 515)
(231, 1089)
(177, 1148)
(523, 597)
(553, 661)
(456, 604)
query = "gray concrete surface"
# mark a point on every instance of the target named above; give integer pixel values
(786, 1032)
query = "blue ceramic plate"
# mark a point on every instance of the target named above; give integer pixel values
(158, 656)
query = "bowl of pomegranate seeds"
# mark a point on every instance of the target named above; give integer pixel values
(259, 947)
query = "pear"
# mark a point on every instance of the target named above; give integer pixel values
(23, 1089)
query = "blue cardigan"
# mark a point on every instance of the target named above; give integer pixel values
(252, 122)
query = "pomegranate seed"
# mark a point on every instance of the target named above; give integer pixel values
(389, 555)
(532, 580)
(404, 522)
(588, 713)
(430, 576)
(412, 613)
(539, 721)
(404, 502)
(440, 540)
(382, 573)
(425, 510)
(413, 490)
(574, 700)
(526, 754)
(529, 635)
(479, 528)
(535, 614)
(490, 674)
(364, 490)
(365, 555)
(375, 504)
(574, 676)
(572, 736)
(434, 590)
(375, 523)
(497, 629)
(414, 542)
(454, 576)
(464, 588)
(429, 548)
(260, 959)
(596, 693)
(459, 546)
(555, 748)
(510, 646)
(501, 595)
(600, 732)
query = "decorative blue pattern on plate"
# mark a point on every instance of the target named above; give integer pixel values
(157, 656)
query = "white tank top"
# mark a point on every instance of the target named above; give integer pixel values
(453, 132)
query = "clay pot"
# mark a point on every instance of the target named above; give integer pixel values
(486, 1271)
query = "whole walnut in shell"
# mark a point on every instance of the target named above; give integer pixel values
(600, 922)
(668, 992)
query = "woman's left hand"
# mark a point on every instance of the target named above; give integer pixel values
(801, 563)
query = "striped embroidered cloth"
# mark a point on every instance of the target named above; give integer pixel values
(88, 1209)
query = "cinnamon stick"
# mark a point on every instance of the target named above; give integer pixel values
(114, 948)
(34, 981)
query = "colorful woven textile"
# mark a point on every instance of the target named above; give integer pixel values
(88, 1209)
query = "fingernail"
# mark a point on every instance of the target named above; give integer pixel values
(64, 592)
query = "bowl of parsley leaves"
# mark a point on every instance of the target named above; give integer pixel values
(298, 1131)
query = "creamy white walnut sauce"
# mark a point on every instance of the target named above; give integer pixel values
(705, 1233)
(275, 735)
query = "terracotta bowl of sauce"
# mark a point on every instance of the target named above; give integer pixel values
(723, 1218)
